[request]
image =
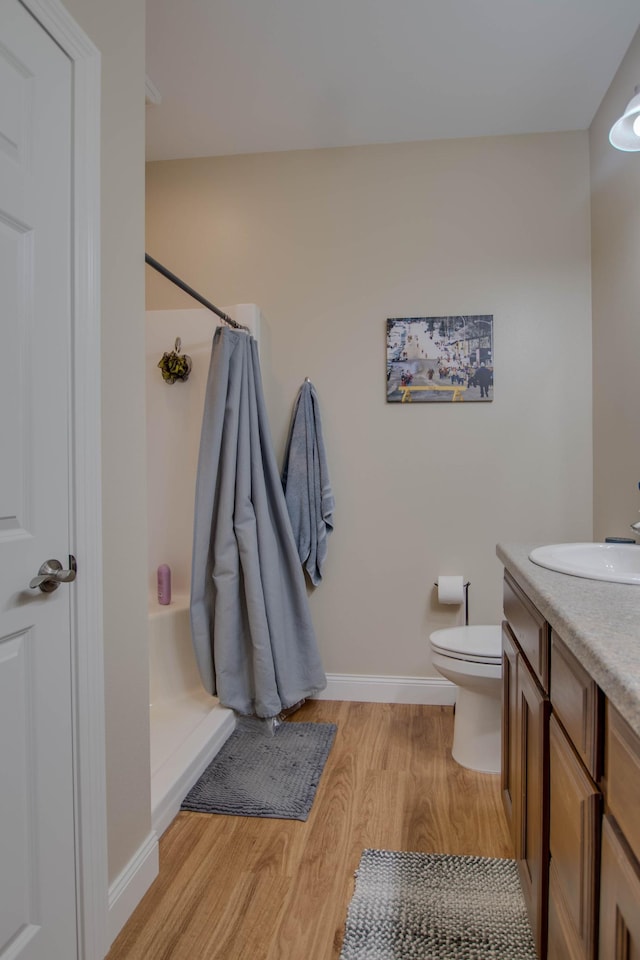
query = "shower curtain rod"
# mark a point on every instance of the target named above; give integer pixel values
(192, 293)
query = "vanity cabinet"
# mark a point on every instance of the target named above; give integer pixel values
(571, 793)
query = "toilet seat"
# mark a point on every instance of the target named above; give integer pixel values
(477, 644)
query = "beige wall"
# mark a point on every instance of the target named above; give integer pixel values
(616, 312)
(117, 29)
(330, 243)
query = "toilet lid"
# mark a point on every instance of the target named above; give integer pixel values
(470, 643)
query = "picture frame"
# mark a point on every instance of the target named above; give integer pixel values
(446, 359)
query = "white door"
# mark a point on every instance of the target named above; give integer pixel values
(37, 845)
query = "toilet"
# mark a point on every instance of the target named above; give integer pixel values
(471, 657)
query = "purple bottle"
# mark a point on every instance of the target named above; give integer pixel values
(164, 584)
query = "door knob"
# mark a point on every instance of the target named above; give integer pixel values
(51, 575)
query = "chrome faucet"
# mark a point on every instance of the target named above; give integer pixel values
(636, 527)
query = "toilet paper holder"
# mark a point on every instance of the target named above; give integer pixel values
(466, 600)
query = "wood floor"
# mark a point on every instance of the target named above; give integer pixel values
(241, 888)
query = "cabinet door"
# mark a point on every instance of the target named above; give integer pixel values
(509, 735)
(622, 775)
(529, 628)
(619, 899)
(578, 703)
(574, 844)
(532, 776)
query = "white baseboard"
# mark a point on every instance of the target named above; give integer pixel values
(427, 690)
(128, 889)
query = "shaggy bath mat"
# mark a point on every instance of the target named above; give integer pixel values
(260, 774)
(436, 907)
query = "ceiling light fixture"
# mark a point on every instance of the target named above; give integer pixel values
(625, 133)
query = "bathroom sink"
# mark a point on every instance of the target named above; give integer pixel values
(617, 562)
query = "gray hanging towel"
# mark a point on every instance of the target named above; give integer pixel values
(305, 479)
(250, 622)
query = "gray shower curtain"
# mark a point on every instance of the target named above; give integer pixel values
(250, 622)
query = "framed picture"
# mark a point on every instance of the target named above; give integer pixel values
(440, 359)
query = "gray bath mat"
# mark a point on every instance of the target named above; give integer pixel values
(257, 774)
(436, 907)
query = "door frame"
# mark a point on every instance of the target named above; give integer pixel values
(88, 713)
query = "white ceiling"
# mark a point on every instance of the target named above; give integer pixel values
(245, 76)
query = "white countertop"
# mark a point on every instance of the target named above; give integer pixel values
(598, 621)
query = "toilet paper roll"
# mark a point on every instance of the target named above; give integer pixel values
(451, 590)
